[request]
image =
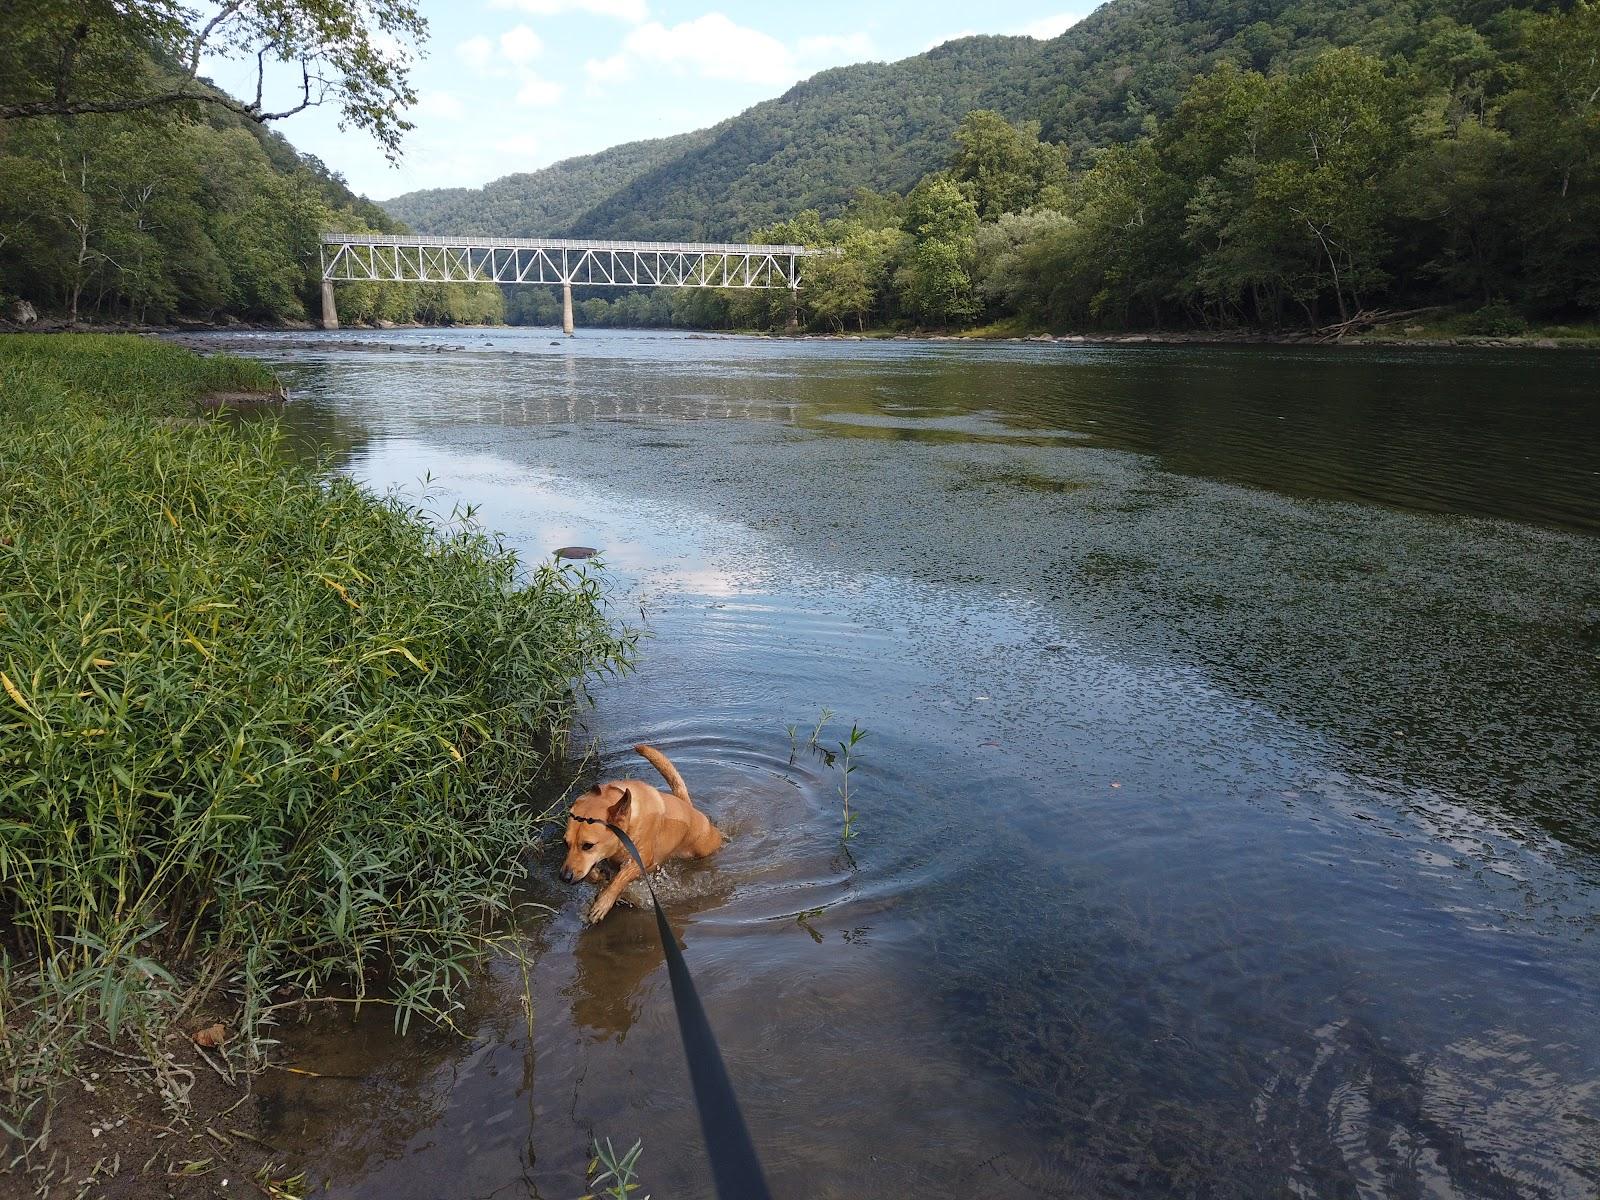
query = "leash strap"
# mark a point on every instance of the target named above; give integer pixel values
(734, 1164)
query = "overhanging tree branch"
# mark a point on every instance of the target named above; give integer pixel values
(66, 58)
(51, 108)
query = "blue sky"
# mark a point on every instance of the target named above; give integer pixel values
(513, 85)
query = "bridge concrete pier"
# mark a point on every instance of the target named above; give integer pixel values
(330, 312)
(566, 307)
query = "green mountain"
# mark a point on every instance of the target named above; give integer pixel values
(875, 125)
(1126, 65)
(883, 125)
(544, 203)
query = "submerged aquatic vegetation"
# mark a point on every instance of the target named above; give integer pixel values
(258, 727)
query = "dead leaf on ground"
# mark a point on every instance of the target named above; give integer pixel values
(211, 1035)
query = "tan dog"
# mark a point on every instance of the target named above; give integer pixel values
(662, 826)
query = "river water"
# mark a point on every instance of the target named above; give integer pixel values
(1229, 811)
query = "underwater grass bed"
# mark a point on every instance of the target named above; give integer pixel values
(258, 727)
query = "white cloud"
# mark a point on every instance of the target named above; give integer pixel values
(1046, 28)
(609, 70)
(442, 105)
(848, 47)
(950, 37)
(634, 12)
(536, 92)
(476, 52)
(713, 47)
(521, 45)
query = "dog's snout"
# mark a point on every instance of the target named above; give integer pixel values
(567, 876)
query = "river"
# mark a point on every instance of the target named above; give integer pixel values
(1228, 819)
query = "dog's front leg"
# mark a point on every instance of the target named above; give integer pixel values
(604, 902)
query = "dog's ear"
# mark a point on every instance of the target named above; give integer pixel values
(619, 812)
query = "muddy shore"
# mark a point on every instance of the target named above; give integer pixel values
(120, 1129)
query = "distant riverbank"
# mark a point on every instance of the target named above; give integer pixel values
(1440, 334)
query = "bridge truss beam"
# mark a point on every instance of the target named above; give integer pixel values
(362, 258)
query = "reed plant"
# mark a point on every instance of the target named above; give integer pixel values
(612, 1175)
(259, 728)
(846, 760)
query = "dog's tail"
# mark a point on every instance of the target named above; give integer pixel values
(669, 772)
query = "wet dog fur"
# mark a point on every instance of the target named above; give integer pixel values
(663, 825)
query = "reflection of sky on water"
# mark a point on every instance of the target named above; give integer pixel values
(1189, 862)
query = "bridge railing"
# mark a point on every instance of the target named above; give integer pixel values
(602, 244)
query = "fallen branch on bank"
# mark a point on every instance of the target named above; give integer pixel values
(1369, 319)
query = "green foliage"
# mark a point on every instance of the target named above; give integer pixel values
(851, 284)
(1554, 113)
(606, 308)
(254, 721)
(847, 767)
(880, 126)
(1004, 168)
(1342, 184)
(1237, 163)
(1497, 319)
(616, 1173)
(1003, 250)
(544, 203)
(934, 279)
(1110, 79)
(1286, 184)
(123, 218)
(62, 58)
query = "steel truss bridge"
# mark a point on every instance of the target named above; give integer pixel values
(415, 258)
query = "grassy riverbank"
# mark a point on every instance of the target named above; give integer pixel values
(259, 729)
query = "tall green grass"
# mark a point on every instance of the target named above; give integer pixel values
(115, 375)
(258, 727)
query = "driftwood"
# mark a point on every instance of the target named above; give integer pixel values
(1368, 319)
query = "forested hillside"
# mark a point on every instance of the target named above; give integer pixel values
(1106, 81)
(875, 125)
(1128, 64)
(546, 203)
(1455, 175)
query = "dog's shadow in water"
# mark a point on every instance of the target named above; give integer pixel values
(614, 958)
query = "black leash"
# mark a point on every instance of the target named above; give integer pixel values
(734, 1165)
